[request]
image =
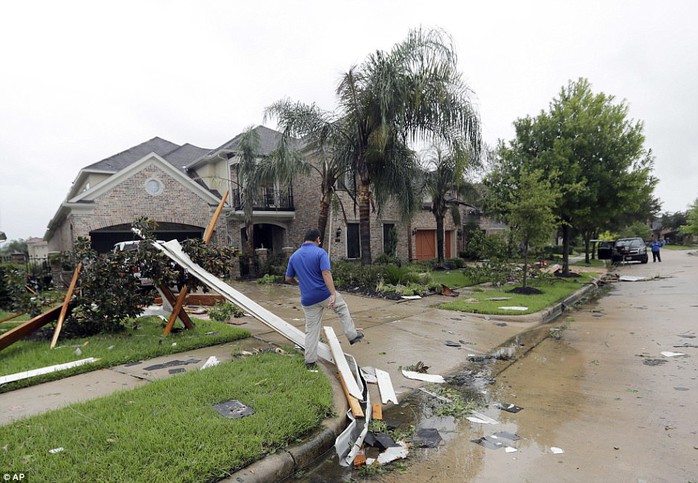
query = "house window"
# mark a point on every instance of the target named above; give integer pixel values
(153, 187)
(353, 241)
(389, 239)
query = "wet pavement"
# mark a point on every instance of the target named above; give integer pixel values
(592, 394)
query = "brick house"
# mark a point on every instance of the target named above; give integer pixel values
(180, 187)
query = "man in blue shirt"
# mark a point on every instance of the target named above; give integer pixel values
(309, 267)
(655, 245)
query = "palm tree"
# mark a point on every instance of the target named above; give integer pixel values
(248, 176)
(320, 133)
(443, 183)
(412, 93)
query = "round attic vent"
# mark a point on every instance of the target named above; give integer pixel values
(153, 186)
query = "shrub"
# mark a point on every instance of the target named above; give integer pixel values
(386, 259)
(481, 246)
(223, 311)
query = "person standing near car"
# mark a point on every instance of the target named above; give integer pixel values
(309, 267)
(655, 245)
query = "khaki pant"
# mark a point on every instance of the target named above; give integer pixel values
(313, 320)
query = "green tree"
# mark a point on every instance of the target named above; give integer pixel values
(529, 212)
(691, 226)
(636, 230)
(592, 154)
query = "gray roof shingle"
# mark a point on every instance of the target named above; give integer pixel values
(126, 158)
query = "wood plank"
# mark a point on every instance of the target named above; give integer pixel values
(21, 331)
(385, 386)
(341, 363)
(64, 309)
(354, 404)
(378, 411)
(183, 315)
(10, 317)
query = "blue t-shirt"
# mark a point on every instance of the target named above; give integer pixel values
(307, 263)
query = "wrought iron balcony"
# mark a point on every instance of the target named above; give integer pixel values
(266, 199)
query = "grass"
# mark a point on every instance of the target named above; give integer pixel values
(451, 278)
(168, 430)
(592, 263)
(553, 292)
(144, 341)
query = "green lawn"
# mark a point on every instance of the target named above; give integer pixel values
(451, 278)
(168, 430)
(592, 263)
(143, 342)
(553, 292)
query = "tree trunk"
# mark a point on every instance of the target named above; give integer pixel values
(587, 237)
(525, 267)
(322, 218)
(365, 222)
(439, 238)
(565, 249)
(249, 247)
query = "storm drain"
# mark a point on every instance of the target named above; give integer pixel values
(233, 409)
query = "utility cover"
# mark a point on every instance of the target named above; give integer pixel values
(233, 409)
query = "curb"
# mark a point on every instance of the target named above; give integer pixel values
(286, 462)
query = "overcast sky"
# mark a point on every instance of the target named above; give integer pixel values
(81, 81)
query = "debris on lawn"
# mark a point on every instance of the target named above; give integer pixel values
(448, 292)
(514, 307)
(56, 450)
(450, 343)
(426, 438)
(556, 450)
(498, 299)
(233, 409)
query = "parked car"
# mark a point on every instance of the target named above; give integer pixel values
(132, 246)
(629, 250)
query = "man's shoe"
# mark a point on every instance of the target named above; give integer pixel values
(311, 366)
(359, 336)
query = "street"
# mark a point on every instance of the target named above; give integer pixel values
(604, 394)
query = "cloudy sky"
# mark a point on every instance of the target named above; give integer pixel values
(83, 80)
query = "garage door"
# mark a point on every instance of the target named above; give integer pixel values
(426, 244)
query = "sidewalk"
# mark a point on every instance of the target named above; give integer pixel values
(398, 334)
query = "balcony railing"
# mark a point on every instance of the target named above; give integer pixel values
(267, 200)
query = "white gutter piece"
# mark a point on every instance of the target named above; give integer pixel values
(385, 386)
(342, 365)
(45, 370)
(174, 251)
(423, 377)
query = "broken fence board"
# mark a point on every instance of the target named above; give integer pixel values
(377, 412)
(174, 251)
(385, 386)
(21, 331)
(342, 364)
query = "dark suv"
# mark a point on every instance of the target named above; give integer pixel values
(630, 249)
